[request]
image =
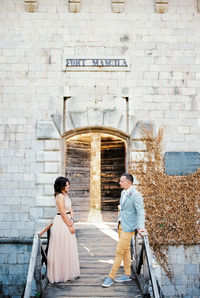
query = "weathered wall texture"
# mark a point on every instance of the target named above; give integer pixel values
(14, 261)
(184, 264)
(162, 83)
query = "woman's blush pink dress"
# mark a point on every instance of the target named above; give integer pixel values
(62, 257)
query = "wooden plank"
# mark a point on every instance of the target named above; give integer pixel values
(79, 187)
(44, 283)
(80, 193)
(112, 166)
(93, 291)
(101, 246)
(84, 241)
(89, 252)
(78, 171)
(95, 264)
(83, 201)
(100, 241)
(91, 280)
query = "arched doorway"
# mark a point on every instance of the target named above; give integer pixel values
(86, 155)
(112, 166)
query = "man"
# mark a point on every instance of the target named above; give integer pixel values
(131, 217)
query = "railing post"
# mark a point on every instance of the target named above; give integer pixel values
(156, 293)
(36, 262)
(31, 268)
(142, 256)
(138, 248)
(38, 275)
(146, 276)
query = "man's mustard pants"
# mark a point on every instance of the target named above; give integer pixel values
(122, 253)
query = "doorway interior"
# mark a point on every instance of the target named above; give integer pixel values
(78, 170)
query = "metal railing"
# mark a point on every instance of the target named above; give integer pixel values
(143, 267)
(38, 258)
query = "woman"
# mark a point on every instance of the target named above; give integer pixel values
(62, 258)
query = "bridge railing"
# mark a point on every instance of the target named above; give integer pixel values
(143, 267)
(37, 259)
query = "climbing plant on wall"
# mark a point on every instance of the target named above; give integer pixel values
(171, 202)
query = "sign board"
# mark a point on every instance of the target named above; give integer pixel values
(95, 59)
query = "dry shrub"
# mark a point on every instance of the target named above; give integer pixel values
(171, 202)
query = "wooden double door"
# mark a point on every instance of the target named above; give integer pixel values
(78, 170)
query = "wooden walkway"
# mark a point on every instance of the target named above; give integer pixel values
(96, 244)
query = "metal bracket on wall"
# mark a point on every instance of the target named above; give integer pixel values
(31, 5)
(161, 6)
(118, 6)
(74, 5)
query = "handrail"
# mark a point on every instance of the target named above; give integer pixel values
(41, 232)
(31, 268)
(150, 267)
(142, 256)
(38, 257)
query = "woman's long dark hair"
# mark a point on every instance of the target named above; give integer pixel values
(59, 185)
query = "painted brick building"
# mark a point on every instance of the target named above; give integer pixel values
(85, 74)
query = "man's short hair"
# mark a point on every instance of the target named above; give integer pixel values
(128, 177)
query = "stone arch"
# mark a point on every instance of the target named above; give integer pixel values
(106, 111)
(95, 129)
(95, 158)
(51, 137)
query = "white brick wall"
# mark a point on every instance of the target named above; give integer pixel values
(163, 85)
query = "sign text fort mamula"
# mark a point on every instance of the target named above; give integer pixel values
(96, 62)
